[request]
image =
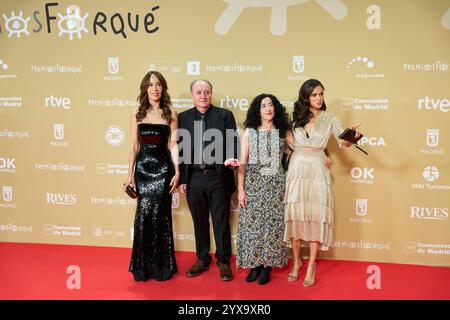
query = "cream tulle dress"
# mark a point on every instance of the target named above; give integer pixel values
(309, 196)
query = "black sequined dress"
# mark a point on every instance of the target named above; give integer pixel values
(153, 253)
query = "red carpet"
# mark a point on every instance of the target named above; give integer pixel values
(38, 271)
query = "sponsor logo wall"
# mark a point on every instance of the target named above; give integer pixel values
(70, 74)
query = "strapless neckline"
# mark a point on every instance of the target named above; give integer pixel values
(154, 124)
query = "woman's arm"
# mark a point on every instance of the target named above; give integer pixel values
(133, 150)
(173, 147)
(289, 139)
(241, 171)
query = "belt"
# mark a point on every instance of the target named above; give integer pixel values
(151, 139)
(207, 172)
(205, 167)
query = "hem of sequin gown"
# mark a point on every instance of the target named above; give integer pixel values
(158, 275)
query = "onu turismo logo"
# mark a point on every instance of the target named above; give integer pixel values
(430, 173)
(73, 21)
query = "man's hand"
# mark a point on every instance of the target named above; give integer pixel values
(328, 162)
(182, 189)
(231, 163)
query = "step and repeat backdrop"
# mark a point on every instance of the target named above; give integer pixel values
(69, 78)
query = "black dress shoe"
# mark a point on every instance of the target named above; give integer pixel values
(254, 273)
(264, 277)
(197, 269)
(225, 272)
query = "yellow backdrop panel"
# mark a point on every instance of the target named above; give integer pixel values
(70, 75)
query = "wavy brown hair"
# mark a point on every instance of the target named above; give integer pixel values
(144, 103)
(302, 114)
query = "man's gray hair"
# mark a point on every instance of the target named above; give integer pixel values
(200, 80)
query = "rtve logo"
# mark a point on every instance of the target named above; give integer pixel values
(433, 104)
(234, 103)
(57, 102)
(429, 213)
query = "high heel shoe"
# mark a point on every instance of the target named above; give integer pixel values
(310, 276)
(293, 277)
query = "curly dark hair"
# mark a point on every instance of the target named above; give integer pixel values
(144, 103)
(280, 120)
(302, 114)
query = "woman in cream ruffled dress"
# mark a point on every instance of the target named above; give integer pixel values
(309, 196)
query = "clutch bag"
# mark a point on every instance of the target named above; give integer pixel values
(131, 192)
(349, 135)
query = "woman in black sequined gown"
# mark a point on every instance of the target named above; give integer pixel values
(153, 171)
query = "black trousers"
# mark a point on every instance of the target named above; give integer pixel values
(205, 194)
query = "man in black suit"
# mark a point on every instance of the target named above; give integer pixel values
(206, 178)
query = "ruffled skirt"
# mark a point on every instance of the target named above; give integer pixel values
(308, 200)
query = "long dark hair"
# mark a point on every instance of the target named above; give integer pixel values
(280, 120)
(302, 114)
(144, 103)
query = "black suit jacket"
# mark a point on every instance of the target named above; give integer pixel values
(220, 119)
